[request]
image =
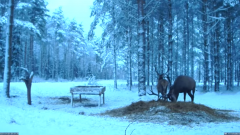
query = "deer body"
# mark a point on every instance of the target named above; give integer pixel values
(162, 87)
(182, 84)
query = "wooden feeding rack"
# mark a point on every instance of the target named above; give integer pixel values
(88, 90)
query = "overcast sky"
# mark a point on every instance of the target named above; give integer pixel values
(78, 9)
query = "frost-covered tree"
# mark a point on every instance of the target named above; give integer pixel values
(141, 50)
(205, 44)
(76, 48)
(37, 18)
(7, 67)
(114, 12)
(29, 29)
(57, 34)
(3, 19)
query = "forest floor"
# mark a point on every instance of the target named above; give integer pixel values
(123, 112)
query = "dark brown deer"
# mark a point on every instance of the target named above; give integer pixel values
(182, 84)
(161, 86)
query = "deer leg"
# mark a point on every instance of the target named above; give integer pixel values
(185, 96)
(191, 95)
(177, 96)
(173, 98)
(165, 94)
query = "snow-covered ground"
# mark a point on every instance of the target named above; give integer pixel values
(51, 112)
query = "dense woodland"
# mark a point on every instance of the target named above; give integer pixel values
(198, 38)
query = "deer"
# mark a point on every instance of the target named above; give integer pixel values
(161, 86)
(182, 84)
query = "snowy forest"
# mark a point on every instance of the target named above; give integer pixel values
(198, 38)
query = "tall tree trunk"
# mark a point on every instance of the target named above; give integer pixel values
(192, 48)
(129, 40)
(205, 43)
(217, 55)
(53, 60)
(57, 62)
(229, 51)
(152, 52)
(187, 37)
(148, 54)
(160, 52)
(25, 55)
(7, 67)
(160, 45)
(170, 41)
(186, 41)
(141, 51)
(176, 52)
(115, 63)
(30, 56)
(129, 80)
(184, 52)
(114, 48)
(41, 60)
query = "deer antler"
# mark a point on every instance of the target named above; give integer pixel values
(152, 93)
(156, 70)
(160, 75)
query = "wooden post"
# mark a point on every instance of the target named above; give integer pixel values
(72, 99)
(103, 99)
(99, 103)
(28, 82)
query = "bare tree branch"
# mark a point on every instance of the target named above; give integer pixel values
(127, 128)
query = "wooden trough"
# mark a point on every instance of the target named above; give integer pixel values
(88, 90)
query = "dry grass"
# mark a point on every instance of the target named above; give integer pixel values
(176, 113)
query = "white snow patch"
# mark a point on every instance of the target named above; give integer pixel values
(21, 5)
(49, 115)
(27, 25)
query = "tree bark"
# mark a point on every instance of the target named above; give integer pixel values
(160, 52)
(229, 51)
(30, 54)
(170, 41)
(148, 54)
(57, 61)
(129, 82)
(217, 55)
(8, 58)
(152, 52)
(184, 52)
(176, 52)
(187, 37)
(186, 40)
(192, 48)
(114, 47)
(141, 51)
(205, 43)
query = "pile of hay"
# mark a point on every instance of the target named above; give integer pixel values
(182, 113)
